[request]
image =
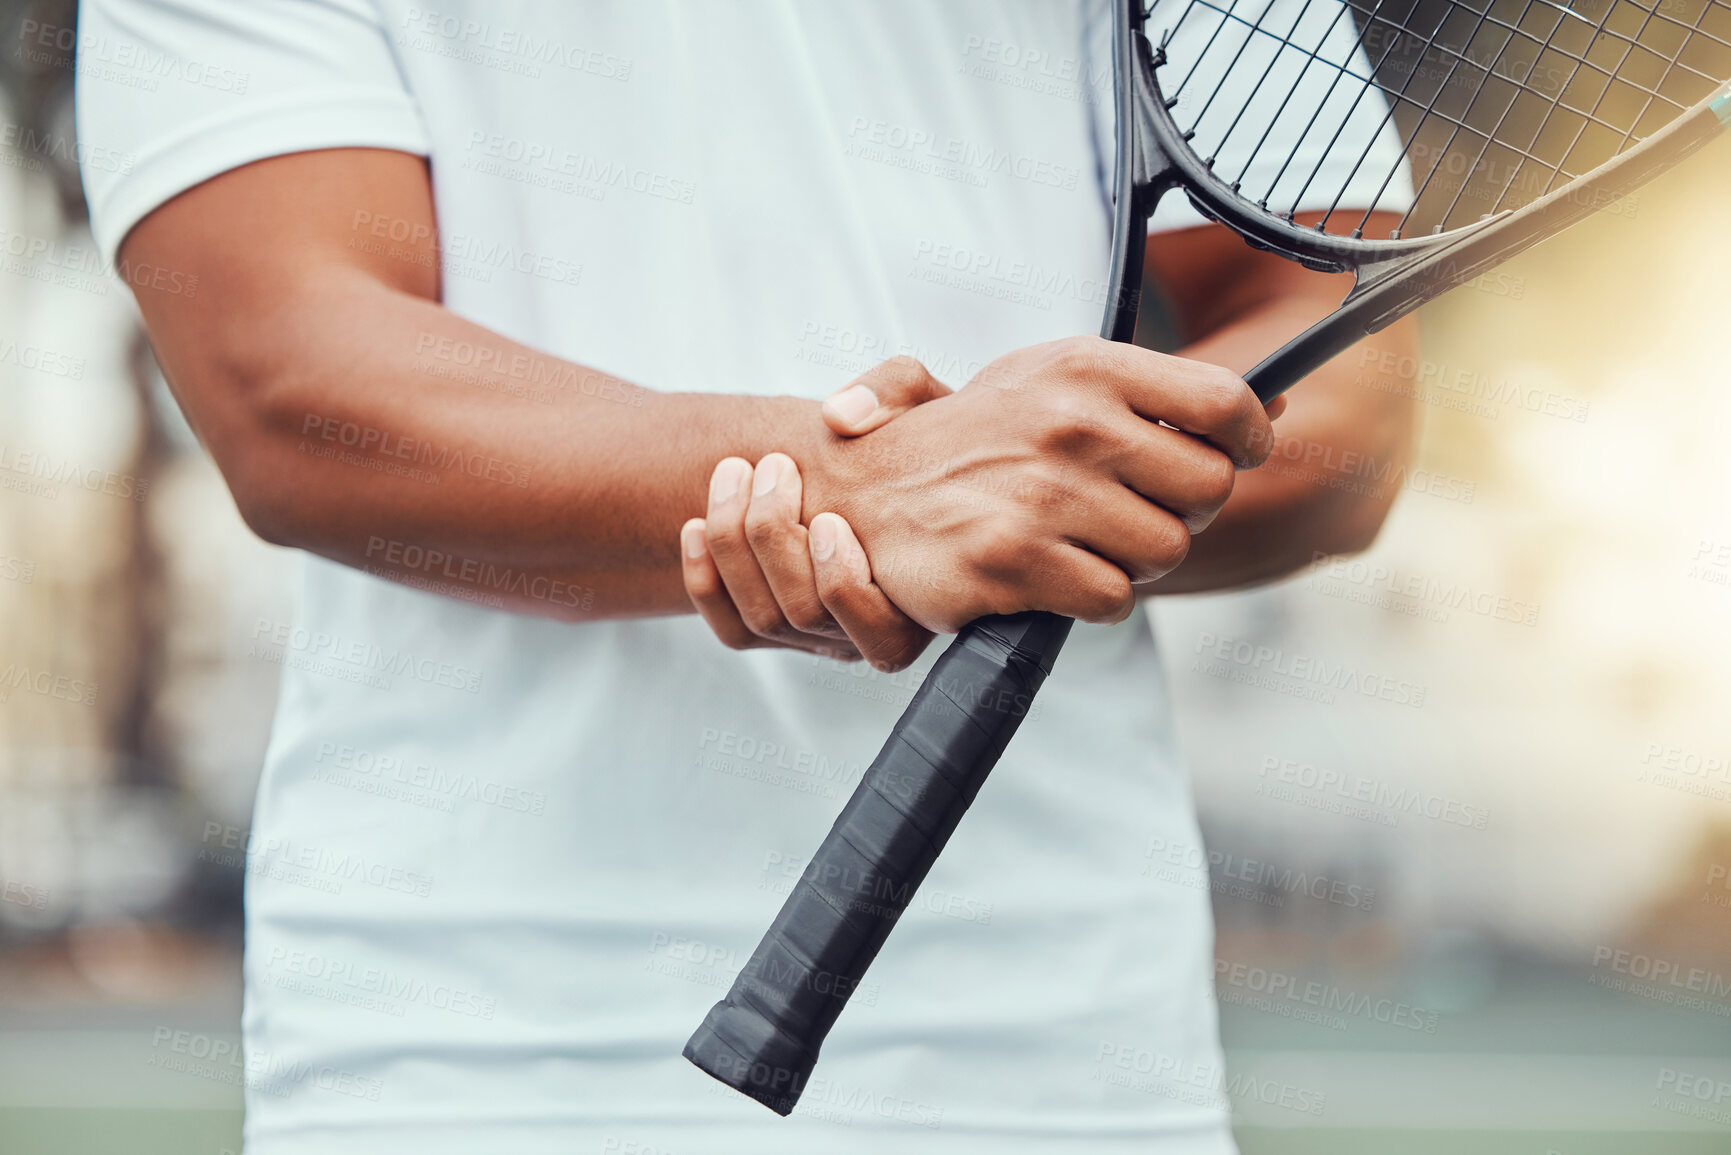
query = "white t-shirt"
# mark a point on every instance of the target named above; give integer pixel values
(500, 867)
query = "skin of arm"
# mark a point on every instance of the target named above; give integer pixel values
(355, 417)
(1237, 304)
(311, 336)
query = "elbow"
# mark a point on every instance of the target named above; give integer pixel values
(1353, 529)
(253, 432)
(267, 504)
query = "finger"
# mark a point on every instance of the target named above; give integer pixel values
(778, 544)
(724, 531)
(1143, 540)
(1177, 472)
(1275, 407)
(884, 636)
(708, 595)
(1206, 400)
(880, 395)
(1092, 589)
(1063, 578)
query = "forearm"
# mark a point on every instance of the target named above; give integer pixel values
(382, 431)
(1340, 451)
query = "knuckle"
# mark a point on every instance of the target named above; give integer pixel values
(735, 640)
(701, 585)
(808, 617)
(908, 644)
(1222, 396)
(765, 623)
(1083, 351)
(905, 369)
(1069, 421)
(1108, 597)
(762, 531)
(834, 585)
(1259, 445)
(1169, 544)
(893, 662)
(1003, 550)
(725, 538)
(1216, 475)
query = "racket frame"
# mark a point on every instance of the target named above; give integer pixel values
(1392, 277)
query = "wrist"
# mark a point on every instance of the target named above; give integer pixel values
(795, 426)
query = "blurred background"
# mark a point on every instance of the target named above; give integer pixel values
(1466, 798)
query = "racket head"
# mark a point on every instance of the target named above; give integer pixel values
(1444, 111)
(1483, 125)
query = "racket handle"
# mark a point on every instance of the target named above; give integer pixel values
(763, 1038)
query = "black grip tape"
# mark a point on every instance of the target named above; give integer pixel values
(763, 1038)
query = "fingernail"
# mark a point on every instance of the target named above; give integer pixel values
(854, 404)
(768, 473)
(695, 546)
(822, 537)
(725, 482)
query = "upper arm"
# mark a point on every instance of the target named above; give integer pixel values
(214, 198)
(274, 248)
(1208, 276)
(1234, 305)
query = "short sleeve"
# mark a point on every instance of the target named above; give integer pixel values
(173, 92)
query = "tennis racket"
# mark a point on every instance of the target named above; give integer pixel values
(1486, 125)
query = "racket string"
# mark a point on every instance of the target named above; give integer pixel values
(1497, 128)
(1424, 107)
